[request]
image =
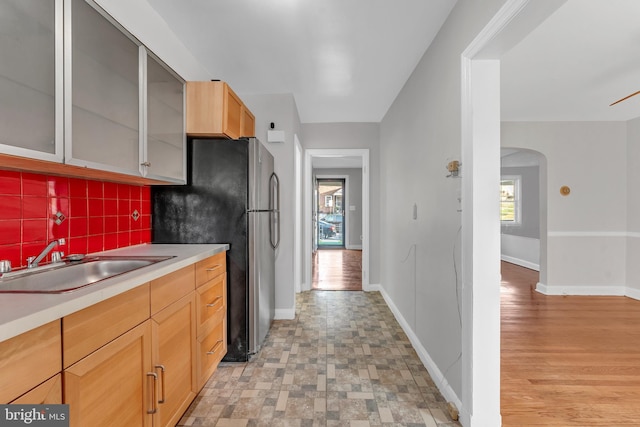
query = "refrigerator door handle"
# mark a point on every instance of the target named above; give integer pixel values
(274, 206)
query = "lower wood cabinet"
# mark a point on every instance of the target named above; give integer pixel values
(173, 349)
(137, 359)
(49, 391)
(115, 385)
(28, 360)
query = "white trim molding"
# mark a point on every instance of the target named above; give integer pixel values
(591, 234)
(520, 262)
(593, 290)
(308, 196)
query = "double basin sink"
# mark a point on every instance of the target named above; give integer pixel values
(73, 274)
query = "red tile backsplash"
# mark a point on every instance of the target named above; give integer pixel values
(92, 215)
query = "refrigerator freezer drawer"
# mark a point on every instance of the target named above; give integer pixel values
(210, 268)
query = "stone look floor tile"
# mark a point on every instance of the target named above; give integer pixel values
(343, 361)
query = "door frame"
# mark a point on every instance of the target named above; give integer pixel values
(309, 154)
(345, 197)
(480, 131)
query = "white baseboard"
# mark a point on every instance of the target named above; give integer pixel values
(520, 262)
(372, 287)
(353, 247)
(285, 313)
(633, 293)
(593, 290)
(436, 375)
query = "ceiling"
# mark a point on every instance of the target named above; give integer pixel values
(581, 59)
(347, 61)
(344, 61)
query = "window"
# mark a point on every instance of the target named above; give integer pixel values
(328, 201)
(510, 199)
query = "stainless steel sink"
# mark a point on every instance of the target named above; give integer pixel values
(70, 275)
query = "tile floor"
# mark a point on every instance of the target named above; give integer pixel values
(343, 361)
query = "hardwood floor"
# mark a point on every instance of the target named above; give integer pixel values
(337, 270)
(567, 360)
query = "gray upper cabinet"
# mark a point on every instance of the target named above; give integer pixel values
(31, 64)
(165, 136)
(77, 88)
(103, 80)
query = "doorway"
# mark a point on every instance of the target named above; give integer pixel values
(330, 223)
(340, 158)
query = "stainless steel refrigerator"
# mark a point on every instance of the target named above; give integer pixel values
(232, 196)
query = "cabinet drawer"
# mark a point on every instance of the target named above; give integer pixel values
(29, 359)
(87, 330)
(49, 391)
(211, 267)
(170, 288)
(212, 303)
(211, 350)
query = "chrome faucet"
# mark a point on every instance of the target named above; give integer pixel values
(33, 261)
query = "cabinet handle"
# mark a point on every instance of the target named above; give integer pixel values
(161, 367)
(154, 378)
(215, 267)
(215, 302)
(147, 164)
(215, 347)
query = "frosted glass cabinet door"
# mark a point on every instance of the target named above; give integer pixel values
(165, 123)
(104, 89)
(28, 75)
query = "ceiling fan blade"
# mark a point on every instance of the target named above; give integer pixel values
(626, 97)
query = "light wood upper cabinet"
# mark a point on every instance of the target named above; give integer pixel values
(214, 110)
(248, 123)
(29, 359)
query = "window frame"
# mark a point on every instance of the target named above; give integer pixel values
(517, 199)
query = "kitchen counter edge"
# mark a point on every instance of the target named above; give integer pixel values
(20, 313)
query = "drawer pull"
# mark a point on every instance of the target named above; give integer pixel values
(161, 367)
(215, 302)
(154, 378)
(215, 347)
(215, 267)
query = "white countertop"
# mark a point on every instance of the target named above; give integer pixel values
(22, 312)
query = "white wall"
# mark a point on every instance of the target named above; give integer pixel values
(356, 136)
(633, 209)
(586, 244)
(418, 136)
(281, 109)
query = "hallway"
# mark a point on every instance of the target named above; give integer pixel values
(567, 360)
(337, 270)
(343, 361)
